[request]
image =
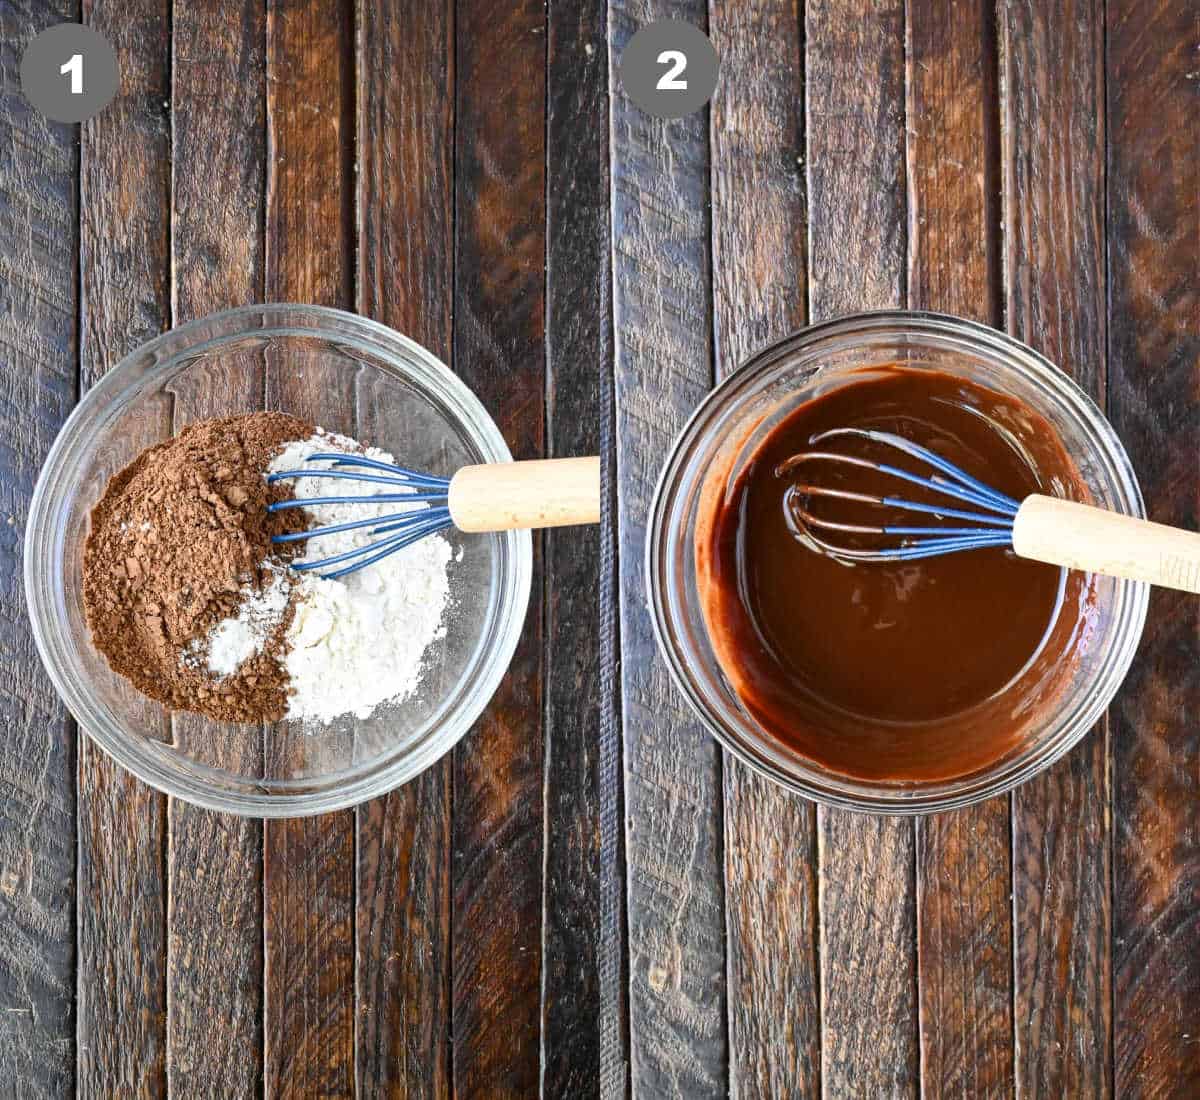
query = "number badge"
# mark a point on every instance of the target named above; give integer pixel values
(669, 69)
(69, 72)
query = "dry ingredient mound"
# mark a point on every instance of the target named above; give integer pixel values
(358, 641)
(178, 540)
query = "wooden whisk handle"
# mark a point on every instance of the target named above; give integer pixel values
(1079, 536)
(554, 492)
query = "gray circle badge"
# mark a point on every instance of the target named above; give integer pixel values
(69, 72)
(669, 69)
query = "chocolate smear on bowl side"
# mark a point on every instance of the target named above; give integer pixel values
(175, 542)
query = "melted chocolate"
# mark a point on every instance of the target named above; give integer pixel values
(903, 671)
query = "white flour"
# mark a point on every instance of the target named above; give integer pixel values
(357, 641)
(237, 639)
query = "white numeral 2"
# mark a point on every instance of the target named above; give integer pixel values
(75, 68)
(670, 81)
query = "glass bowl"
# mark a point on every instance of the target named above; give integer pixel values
(723, 432)
(347, 374)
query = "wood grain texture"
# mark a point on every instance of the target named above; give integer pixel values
(614, 1079)
(1154, 401)
(310, 140)
(759, 295)
(855, 162)
(869, 987)
(854, 127)
(1053, 159)
(308, 866)
(578, 353)
(125, 287)
(965, 951)
(38, 354)
(613, 961)
(758, 182)
(405, 90)
(215, 914)
(771, 888)
(499, 318)
(964, 910)
(663, 357)
(953, 154)
(1052, 57)
(406, 279)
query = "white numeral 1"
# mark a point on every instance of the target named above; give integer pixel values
(670, 81)
(75, 68)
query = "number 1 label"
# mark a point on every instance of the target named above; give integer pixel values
(75, 68)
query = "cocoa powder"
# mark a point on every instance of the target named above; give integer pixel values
(173, 541)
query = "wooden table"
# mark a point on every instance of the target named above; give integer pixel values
(382, 158)
(1034, 164)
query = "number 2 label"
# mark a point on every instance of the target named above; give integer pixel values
(670, 81)
(75, 68)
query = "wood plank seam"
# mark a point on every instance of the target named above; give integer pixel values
(614, 958)
(545, 539)
(309, 863)
(616, 1065)
(125, 299)
(1153, 240)
(499, 352)
(452, 348)
(721, 763)
(1054, 270)
(40, 368)
(577, 257)
(678, 1043)
(168, 830)
(759, 243)
(856, 57)
(952, 66)
(615, 1083)
(1110, 756)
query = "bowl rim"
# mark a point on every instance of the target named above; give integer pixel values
(109, 391)
(907, 801)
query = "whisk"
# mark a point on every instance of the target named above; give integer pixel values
(552, 492)
(976, 516)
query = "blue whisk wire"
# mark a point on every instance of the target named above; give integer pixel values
(990, 518)
(403, 528)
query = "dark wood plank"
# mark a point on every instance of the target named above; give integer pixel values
(308, 865)
(38, 354)
(759, 295)
(662, 365)
(578, 352)
(964, 912)
(406, 270)
(124, 276)
(1154, 382)
(953, 159)
(406, 167)
(855, 161)
(310, 137)
(1052, 58)
(215, 925)
(499, 317)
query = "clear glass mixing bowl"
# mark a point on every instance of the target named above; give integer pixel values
(723, 433)
(359, 378)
